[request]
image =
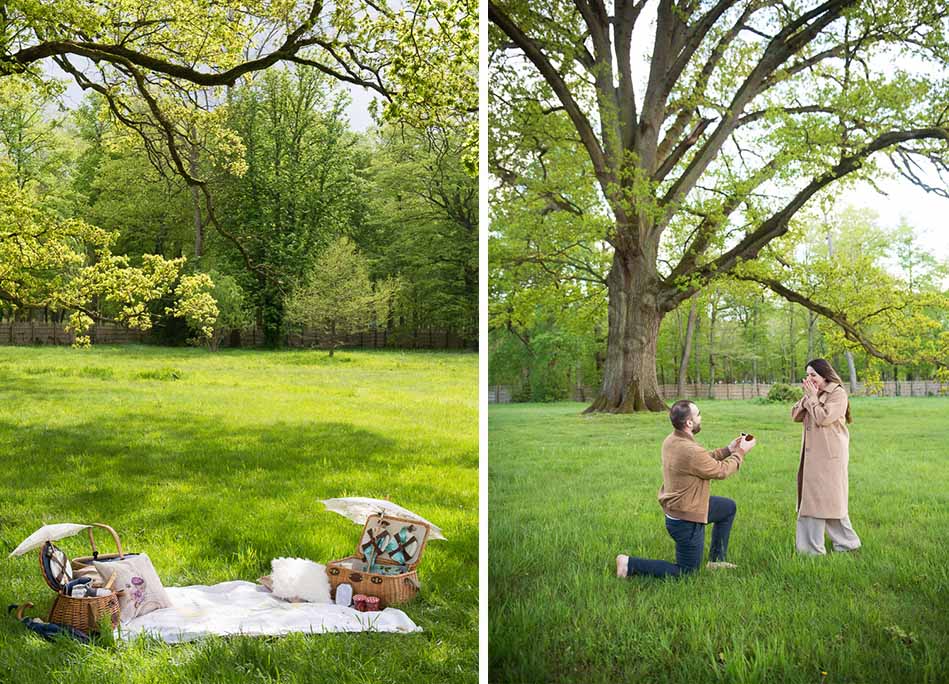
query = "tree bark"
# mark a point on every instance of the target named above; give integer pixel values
(853, 372)
(711, 350)
(792, 359)
(697, 379)
(754, 348)
(634, 315)
(686, 348)
(811, 322)
(196, 202)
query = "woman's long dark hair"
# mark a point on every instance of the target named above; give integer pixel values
(826, 371)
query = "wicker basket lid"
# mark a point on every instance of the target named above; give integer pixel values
(398, 541)
(55, 566)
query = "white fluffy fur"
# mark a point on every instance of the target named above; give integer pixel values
(300, 579)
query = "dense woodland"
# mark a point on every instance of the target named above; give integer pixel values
(193, 175)
(303, 180)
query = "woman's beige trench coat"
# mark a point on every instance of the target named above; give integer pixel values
(822, 487)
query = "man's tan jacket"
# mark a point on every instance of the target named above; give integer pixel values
(686, 469)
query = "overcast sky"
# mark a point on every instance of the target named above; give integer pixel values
(927, 213)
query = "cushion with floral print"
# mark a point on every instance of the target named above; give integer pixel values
(136, 577)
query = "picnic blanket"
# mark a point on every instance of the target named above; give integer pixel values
(245, 608)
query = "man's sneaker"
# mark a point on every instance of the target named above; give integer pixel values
(622, 565)
(720, 565)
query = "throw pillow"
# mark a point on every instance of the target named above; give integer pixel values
(136, 576)
(298, 579)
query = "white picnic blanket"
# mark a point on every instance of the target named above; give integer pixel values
(245, 608)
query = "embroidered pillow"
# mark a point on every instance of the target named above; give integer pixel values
(136, 576)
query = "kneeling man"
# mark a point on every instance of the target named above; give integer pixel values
(686, 470)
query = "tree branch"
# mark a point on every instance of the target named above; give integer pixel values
(785, 44)
(687, 111)
(851, 332)
(556, 82)
(696, 34)
(777, 224)
(627, 13)
(598, 24)
(684, 146)
(804, 109)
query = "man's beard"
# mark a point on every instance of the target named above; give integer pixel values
(696, 429)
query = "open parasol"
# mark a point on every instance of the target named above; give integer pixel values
(47, 533)
(359, 508)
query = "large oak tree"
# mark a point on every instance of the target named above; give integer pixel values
(746, 111)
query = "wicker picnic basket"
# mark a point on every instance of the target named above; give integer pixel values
(80, 612)
(389, 542)
(86, 561)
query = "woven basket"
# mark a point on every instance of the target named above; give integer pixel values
(86, 561)
(80, 612)
(390, 589)
(84, 613)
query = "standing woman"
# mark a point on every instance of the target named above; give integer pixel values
(822, 487)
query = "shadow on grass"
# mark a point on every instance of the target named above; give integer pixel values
(185, 479)
(212, 490)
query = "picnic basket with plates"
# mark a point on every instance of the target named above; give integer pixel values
(386, 560)
(85, 562)
(84, 613)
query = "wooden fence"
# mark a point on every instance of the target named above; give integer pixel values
(502, 394)
(39, 333)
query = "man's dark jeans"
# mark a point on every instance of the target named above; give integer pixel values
(690, 542)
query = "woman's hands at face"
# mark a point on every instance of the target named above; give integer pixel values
(809, 387)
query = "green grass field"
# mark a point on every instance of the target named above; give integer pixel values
(568, 492)
(213, 464)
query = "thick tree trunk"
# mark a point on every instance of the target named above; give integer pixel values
(629, 373)
(686, 349)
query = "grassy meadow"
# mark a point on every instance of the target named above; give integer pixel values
(568, 492)
(213, 464)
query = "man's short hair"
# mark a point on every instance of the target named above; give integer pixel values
(680, 412)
